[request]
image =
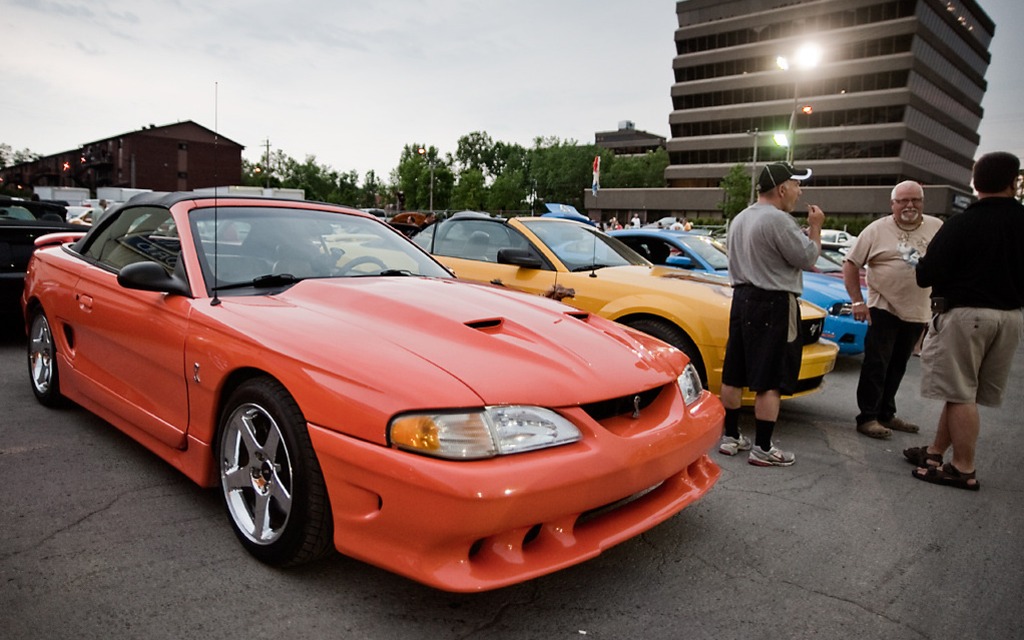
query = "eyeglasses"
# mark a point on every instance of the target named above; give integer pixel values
(905, 201)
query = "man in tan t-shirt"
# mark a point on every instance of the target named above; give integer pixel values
(896, 310)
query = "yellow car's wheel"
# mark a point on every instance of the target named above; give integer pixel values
(667, 332)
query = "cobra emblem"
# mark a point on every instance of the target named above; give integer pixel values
(636, 407)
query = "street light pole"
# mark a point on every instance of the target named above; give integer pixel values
(792, 123)
(430, 161)
(431, 186)
(753, 167)
(807, 57)
(266, 165)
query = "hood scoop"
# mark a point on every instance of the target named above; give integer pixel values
(485, 324)
(491, 324)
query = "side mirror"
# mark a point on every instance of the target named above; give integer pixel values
(519, 258)
(683, 262)
(150, 276)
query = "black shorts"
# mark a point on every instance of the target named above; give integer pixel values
(764, 348)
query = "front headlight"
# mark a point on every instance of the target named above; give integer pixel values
(690, 385)
(474, 435)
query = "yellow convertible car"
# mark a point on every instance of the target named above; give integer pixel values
(549, 255)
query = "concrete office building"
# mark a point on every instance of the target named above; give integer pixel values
(895, 93)
(628, 140)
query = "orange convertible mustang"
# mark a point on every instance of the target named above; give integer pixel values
(339, 385)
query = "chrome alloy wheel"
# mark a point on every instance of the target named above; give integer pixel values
(256, 474)
(40, 355)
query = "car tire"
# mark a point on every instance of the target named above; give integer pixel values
(667, 332)
(42, 362)
(271, 483)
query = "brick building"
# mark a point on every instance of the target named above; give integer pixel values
(175, 157)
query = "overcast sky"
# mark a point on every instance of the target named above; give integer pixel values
(353, 82)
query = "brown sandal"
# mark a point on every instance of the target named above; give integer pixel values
(949, 476)
(919, 457)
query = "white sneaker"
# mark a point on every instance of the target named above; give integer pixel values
(731, 446)
(776, 457)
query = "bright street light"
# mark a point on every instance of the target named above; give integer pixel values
(807, 56)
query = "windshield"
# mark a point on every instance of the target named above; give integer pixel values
(710, 250)
(827, 264)
(581, 247)
(240, 247)
(14, 212)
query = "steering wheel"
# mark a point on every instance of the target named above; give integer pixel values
(360, 261)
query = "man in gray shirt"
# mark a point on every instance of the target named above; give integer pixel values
(768, 253)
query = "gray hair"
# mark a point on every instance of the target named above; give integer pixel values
(892, 196)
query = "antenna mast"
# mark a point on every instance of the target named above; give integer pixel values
(216, 189)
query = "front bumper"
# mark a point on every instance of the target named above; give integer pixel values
(817, 360)
(473, 526)
(845, 332)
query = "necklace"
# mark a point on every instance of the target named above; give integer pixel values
(920, 221)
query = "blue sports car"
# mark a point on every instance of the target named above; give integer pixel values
(688, 250)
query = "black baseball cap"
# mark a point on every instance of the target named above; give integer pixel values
(775, 173)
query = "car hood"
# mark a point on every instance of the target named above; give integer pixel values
(823, 289)
(694, 275)
(668, 280)
(664, 278)
(467, 343)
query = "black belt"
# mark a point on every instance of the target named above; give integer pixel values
(942, 305)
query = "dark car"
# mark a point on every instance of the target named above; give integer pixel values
(21, 222)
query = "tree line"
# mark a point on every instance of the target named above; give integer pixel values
(481, 174)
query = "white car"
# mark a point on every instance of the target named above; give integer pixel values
(661, 223)
(837, 239)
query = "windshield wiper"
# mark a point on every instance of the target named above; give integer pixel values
(590, 267)
(268, 280)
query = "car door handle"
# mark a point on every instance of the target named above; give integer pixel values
(84, 302)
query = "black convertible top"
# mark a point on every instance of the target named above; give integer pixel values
(37, 208)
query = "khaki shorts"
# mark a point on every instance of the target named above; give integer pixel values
(967, 354)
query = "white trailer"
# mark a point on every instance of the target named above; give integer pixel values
(118, 194)
(74, 196)
(242, 190)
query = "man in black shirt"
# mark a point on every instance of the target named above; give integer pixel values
(975, 267)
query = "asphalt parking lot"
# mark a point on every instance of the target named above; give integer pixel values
(100, 539)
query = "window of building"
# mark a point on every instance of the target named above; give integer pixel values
(892, 10)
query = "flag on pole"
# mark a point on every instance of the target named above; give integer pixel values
(597, 175)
